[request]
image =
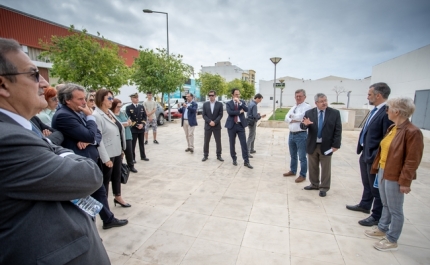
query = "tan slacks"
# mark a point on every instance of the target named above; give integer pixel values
(189, 134)
(314, 161)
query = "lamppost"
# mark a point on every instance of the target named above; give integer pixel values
(275, 60)
(168, 54)
(282, 89)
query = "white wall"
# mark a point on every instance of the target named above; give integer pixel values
(406, 73)
(358, 97)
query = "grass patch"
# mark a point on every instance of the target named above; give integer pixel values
(279, 114)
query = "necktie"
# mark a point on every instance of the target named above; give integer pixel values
(36, 131)
(236, 118)
(365, 125)
(320, 124)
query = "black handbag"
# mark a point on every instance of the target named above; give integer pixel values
(125, 172)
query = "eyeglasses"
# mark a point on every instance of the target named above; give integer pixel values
(110, 98)
(33, 73)
(91, 100)
(54, 99)
(211, 95)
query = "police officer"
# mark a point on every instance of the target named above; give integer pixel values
(136, 113)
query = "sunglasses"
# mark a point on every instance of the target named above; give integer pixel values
(34, 74)
(110, 98)
(211, 95)
(91, 100)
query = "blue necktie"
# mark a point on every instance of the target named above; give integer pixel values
(36, 131)
(320, 124)
(365, 125)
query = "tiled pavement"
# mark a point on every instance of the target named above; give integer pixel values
(185, 211)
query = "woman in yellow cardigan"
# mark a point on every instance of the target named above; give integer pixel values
(396, 162)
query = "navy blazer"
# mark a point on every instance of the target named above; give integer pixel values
(192, 114)
(331, 131)
(373, 134)
(216, 116)
(75, 130)
(229, 123)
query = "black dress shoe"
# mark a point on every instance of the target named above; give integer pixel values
(205, 158)
(219, 158)
(357, 208)
(250, 156)
(253, 152)
(369, 221)
(115, 223)
(235, 162)
(310, 187)
(134, 161)
(145, 159)
(323, 193)
(133, 170)
(248, 165)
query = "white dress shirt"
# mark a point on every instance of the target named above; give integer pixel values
(296, 113)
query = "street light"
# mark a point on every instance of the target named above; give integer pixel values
(282, 88)
(275, 60)
(168, 54)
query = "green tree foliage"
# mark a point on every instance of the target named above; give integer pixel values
(208, 82)
(247, 90)
(83, 59)
(157, 72)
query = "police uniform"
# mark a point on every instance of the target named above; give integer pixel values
(137, 116)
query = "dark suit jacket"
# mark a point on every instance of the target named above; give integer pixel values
(229, 123)
(75, 130)
(56, 136)
(331, 131)
(137, 115)
(373, 134)
(38, 223)
(192, 114)
(216, 116)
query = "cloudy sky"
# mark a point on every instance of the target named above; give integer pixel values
(314, 38)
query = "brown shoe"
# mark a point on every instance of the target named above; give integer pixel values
(289, 173)
(300, 179)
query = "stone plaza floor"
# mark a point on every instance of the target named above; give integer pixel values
(185, 211)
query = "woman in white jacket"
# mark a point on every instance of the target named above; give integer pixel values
(112, 144)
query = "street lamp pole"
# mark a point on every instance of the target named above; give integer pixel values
(168, 54)
(282, 89)
(275, 61)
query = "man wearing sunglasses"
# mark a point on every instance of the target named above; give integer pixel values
(38, 222)
(212, 114)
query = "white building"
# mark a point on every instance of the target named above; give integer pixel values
(358, 88)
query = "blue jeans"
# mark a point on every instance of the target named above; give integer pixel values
(297, 144)
(392, 218)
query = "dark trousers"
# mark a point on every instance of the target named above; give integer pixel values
(238, 130)
(316, 159)
(101, 195)
(129, 153)
(370, 194)
(217, 136)
(113, 174)
(141, 138)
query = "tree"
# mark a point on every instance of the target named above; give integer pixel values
(208, 82)
(338, 91)
(158, 72)
(83, 59)
(247, 90)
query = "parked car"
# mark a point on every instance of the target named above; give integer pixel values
(200, 108)
(159, 113)
(174, 102)
(174, 113)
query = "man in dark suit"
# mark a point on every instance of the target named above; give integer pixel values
(236, 124)
(324, 136)
(75, 120)
(212, 114)
(39, 224)
(189, 120)
(371, 135)
(136, 113)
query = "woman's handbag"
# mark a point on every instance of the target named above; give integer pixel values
(125, 172)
